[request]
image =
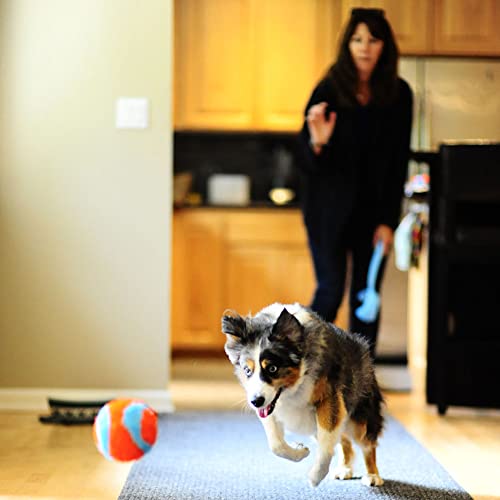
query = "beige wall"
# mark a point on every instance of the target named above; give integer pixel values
(84, 207)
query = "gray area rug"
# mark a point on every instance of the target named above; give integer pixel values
(224, 456)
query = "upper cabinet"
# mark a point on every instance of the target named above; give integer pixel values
(410, 21)
(250, 64)
(467, 27)
(214, 60)
(295, 44)
(440, 27)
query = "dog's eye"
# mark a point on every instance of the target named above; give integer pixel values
(272, 368)
(247, 371)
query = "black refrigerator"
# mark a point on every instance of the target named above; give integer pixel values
(463, 357)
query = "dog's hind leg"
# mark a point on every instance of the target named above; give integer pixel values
(369, 447)
(346, 457)
(277, 443)
(372, 478)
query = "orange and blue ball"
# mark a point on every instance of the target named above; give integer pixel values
(125, 429)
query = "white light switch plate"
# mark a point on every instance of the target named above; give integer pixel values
(132, 112)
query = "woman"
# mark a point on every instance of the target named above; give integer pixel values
(355, 142)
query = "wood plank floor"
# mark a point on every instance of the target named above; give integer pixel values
(45, 462)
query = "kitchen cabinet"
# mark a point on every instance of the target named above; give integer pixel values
(267, 260)
(213, 64)
(440, 27)
(467, 27)
(241, 259)
(197, 268)
(250, 64)
(247, 64)
(411, 21)
(295, 45)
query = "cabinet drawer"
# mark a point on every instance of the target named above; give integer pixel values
(261, 226)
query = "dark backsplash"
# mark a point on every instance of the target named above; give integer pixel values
(259, 155)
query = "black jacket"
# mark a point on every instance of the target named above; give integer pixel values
(364, 166)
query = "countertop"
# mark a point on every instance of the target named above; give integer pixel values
(256, 205)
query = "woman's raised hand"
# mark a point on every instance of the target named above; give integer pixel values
(320, 126)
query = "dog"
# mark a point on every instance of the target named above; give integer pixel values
(307, 376)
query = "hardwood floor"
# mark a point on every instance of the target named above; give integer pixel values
(42, 462)
(45, 462)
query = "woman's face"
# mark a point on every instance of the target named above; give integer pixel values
(365, 50)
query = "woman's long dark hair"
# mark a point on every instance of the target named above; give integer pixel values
(343, 74)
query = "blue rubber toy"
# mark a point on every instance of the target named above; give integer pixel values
(368, 310)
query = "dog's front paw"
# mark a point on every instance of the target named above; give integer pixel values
(294, 454)
(299, 452)
(342, 472)
(317, 474)
(372, 480)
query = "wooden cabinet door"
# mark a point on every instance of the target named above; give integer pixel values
(260, 275)
(197, 267)
(235, 259)
(214, 64)
(268, 260)
(467, 27)
(296, 42)
(247, 64)
(411, 21)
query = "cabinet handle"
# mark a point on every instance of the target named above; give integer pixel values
(451, 324)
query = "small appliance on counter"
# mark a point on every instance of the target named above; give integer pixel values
(228, 189)
(282, 189)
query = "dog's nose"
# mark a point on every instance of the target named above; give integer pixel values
(258, 401)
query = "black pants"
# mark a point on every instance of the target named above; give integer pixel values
(330, 264)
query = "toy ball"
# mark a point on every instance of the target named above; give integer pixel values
(125, 429)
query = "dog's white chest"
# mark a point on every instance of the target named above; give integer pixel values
(295, 412)
(298, 420)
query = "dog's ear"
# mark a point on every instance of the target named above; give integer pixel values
(234, 327)
(233, 324)
(287, 328)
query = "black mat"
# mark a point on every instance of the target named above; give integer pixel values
(224, 455)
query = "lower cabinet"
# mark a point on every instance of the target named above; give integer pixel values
(240, 259)
(197, 270)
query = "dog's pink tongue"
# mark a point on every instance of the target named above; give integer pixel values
(264, 412)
